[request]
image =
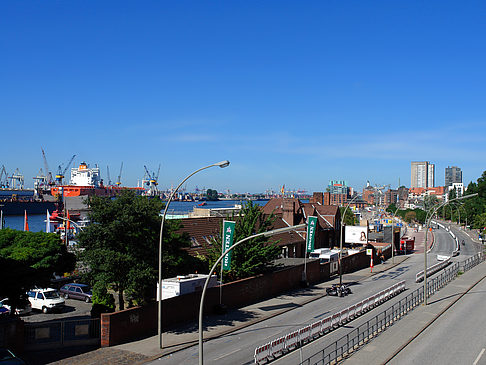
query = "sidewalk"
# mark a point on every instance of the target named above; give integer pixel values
(139, 352)
(382, 348)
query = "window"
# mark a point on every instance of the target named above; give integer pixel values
(194, 242)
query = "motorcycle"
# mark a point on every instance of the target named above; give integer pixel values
(338, 290)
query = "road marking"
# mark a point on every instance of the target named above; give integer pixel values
(479, 357)
(230, 353)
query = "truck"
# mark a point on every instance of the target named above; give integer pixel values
(184, 284)
(326, 255)
(407, 245)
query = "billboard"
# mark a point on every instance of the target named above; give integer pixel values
(356, 234)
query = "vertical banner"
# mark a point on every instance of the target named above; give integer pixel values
(228, 233)
(311, 233)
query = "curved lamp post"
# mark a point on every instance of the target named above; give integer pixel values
(341, 243)
(428, 219)
(393, 236)
(201, 305)
(221, 164)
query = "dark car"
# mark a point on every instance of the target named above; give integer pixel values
(77, 291)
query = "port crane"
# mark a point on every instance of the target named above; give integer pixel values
(17, 180)
(61, 171)
(151, 180)
(108, 174)
(119, 175)
(3, 180)
(46, 166)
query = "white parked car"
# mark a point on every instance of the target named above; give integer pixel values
(46, 300)
(26, 309)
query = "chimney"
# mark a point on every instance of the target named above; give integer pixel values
(288, 211)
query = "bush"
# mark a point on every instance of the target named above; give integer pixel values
(103, 302)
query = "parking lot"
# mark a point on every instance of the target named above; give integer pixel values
(73, 308)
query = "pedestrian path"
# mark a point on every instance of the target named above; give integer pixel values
(382, 349)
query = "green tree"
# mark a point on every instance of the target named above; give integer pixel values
(391, 208)
(349, 218)
(212, 195)
(29, 259)
(254, 256)
(476, 206)
(121, 246)
(410, 216)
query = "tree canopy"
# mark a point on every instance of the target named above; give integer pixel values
(349, 219)
(30, 259)
(212, 195)
(254, 256)
(121, 246)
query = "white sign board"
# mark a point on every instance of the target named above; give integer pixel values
(356, 234)
(369, 251)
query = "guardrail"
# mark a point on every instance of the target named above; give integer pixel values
(361, 335)
(432, 270)
(293, 340)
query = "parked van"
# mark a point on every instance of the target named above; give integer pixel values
(46, 300)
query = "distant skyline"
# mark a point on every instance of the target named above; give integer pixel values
(291, 93)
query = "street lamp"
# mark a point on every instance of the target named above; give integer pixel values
(221, 164)
(428, 218)
(201, 304)
(341, 243)
(393, 236)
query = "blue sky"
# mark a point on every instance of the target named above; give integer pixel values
(295, 93)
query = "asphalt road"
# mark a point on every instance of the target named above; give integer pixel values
(73, 309)
(238, 347)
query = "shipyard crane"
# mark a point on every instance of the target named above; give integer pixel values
(46, 166)
(61, 171)
(3, 180)
(151, 181)
(119, 175)
(108, 174)
(40, 180)
(17, 180)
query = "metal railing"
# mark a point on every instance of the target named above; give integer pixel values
(56, 334)
(361, 335)
(296, 339)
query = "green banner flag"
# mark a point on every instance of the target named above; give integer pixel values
(311, 233)
(228, 233)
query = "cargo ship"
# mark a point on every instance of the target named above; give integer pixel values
(86, 181)
(17, 201)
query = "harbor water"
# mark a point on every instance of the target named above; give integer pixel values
(37, 222)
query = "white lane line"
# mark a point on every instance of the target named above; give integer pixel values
(230, 353)
(479, 357)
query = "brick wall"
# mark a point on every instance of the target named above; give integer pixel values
(137, 322)
(133, 323)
